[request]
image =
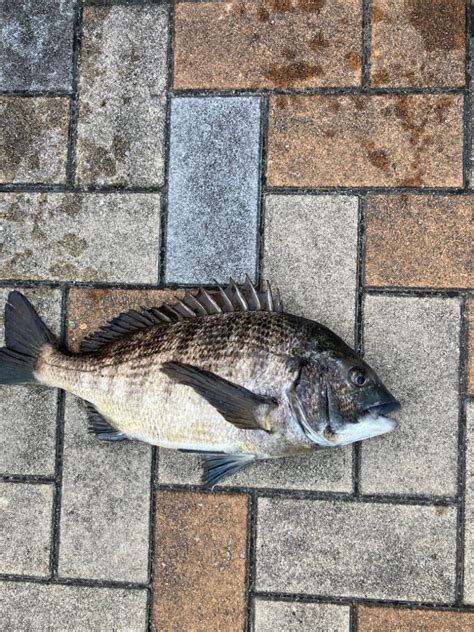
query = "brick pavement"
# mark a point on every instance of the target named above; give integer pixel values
(325, 145)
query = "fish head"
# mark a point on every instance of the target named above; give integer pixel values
(340, 400)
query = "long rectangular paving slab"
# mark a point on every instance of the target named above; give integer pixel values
(33, 138)
(28, 413)
(279, 616)
(213, 189)
(25, 528)
(37, 607)
(356, 549)
(36, 41)
(370, 619)
(81, 237)
(122, 102)
(469, 515)
(105, 504)
(413, 344)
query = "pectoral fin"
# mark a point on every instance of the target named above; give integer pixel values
(219, 466)
(236, 404)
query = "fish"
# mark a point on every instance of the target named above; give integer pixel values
(224, 372)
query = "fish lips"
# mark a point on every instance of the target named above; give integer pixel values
(378, 401)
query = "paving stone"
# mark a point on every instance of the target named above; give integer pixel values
(326, 547)
(413, 344)
(470, 347)
(53, 607)
(28, 414)
(469, 515)
(419, 241)
(213, 189)
(36, 45)
(122, 103)
(33, 137)
(397, 620)
(92, 308)
(200, 562)
(105, 504)
(268, 44)
(81, 237)
(25, 528)
(274, 616)
(328, 470)
(310, 254)
(415, 43)
(354, 141)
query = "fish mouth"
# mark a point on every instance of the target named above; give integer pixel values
(383, 408)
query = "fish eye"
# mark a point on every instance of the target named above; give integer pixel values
(358, 377)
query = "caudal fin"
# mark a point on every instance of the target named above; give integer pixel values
(25, 335)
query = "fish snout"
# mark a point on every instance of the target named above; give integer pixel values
(378, 400)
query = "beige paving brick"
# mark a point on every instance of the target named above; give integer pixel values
(33, 138)
(200, 562)
(122, 97)
(413, 344)
(274, 616)
(28, 414)
(397, 620)
(80, 237)
(25, 528)
(268, 44)
(415, 43)
(370, 550)
(365, 141)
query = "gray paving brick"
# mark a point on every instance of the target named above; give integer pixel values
(105, 504)
(122, 101)
(25, 528)
(213, 189)
(413, 343)
(36, 44)
(372, 550)
(274, 616)
(81, 237)
(33, 138)
(27, 413)
(328, 470)
(36, 608)
(310, 253)
(469, 515)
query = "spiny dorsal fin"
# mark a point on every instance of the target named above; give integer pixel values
(232, 298)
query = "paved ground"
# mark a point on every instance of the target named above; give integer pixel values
(324, 144)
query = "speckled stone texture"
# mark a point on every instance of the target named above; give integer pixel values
(469, 509)
(33, 138)
(28, 415)
(413, 344)
(94, 237)
(268, 44)
(104, 526)
(200, 552)
(310, 254)
(373, 141)
(397, 620)
(36, 608)
(395, 542)
(36, 44)
(419, 241)
(26, 542)
(122, 96)
(213, 189)
(274, 616)
(470, 347)
(417, 43)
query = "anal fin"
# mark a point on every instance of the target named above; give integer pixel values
(219, 466)
(99, 426)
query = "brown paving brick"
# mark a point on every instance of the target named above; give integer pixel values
(470, 347)
(380, 141)
(90, 309)
(200, 562)
(418, 43)
(419, 241)
(268, 44)
(395, 620)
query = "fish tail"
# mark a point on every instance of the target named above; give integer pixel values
(25, 337)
